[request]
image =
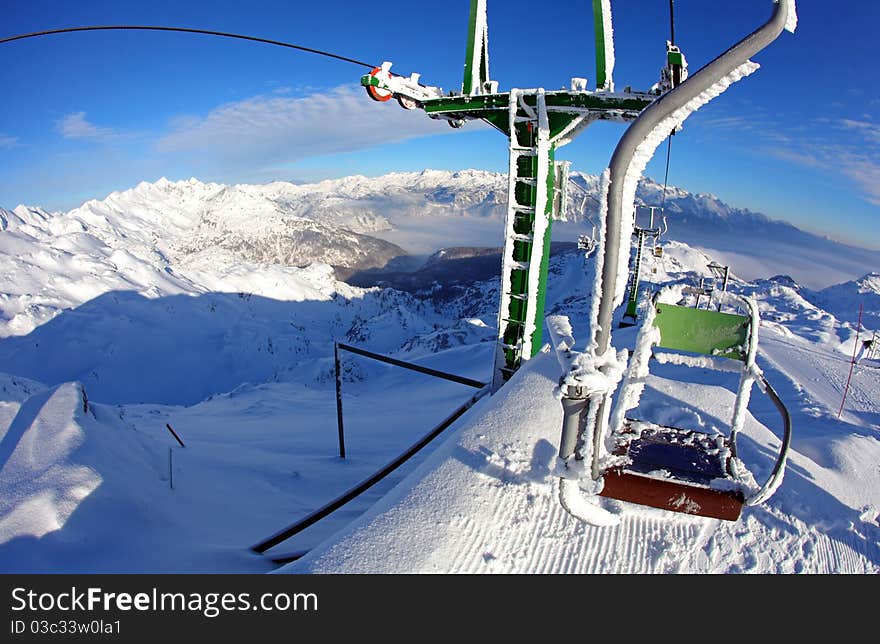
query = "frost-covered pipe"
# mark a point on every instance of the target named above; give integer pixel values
(751, 371)
(775, 478)
(697, 84)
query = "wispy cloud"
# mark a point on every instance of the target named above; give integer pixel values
(76, 126)
(868, 129)
(734, 125)
(866, 174)
(795, 156)
(843, 147)
(271, 129)
(8, 141)
(862, 169)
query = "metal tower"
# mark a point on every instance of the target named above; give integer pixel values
(630, 316)
(536, 123)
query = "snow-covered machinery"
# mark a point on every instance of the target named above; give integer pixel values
(536, 123)
(609, 454)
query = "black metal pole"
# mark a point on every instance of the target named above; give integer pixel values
(337, 503)
(468, 382)
(339, 401)
(174, 433)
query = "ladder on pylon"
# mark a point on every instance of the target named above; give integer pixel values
(527, 227)
(632, 301)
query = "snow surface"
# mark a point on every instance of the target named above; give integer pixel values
(486, 502)
(111, 330)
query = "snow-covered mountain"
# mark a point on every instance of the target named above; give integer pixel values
(159, 238)
(844, 300)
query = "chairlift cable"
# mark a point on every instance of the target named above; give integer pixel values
(669, 141)
(666, 175)
(190, 31)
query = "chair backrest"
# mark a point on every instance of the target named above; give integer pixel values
(712, 333)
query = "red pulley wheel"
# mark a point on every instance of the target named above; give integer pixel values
(376, 93)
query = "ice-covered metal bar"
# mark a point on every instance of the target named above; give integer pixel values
(627, 164)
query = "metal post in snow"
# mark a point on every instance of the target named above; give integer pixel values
(339, 401)
(700, 292)
(724, 285)
(174, 433)
(853, 361)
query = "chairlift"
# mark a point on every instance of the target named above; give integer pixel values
(683, 469)
(587, 243)
(686, 470)
(658, 249)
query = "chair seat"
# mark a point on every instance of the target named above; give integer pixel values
(674, 469)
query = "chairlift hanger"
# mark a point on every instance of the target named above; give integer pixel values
(602, 451)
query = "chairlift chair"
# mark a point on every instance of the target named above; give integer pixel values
(680, 469)
(658, 249)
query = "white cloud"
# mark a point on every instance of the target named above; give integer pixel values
(798, 157)
(75, 126)
(866, 174)
(8, 141)
(868, 129)
(838, 146)
(862, 168)
(273, 129)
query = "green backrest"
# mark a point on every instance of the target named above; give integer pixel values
(701, 331)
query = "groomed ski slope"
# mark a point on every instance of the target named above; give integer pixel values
(485, 502)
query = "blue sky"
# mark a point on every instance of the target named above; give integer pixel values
(85, 114)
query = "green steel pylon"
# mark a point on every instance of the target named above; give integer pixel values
(630, 315)
(536, 123)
